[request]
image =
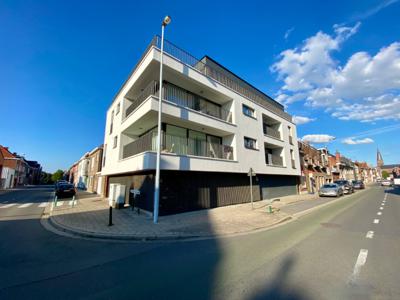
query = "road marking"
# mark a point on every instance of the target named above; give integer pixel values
(379, 213)
(376, 221)
(25, 205)
(370, 235)
(8, 205)
(60, 203)
(43, 204)
(381, 208)
(361, 260)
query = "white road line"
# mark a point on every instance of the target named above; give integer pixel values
(43, 204)
(379, 213)
(25, 205)
(8, 205)
(370, 235)
(376, 221)
(361, 260)
(381, 208)
(60, 203)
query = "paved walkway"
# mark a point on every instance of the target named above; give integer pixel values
(89, 218)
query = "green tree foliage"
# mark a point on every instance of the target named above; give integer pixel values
(385, 174)
(57, 175)
(46, 178)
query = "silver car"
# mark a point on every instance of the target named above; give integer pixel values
(331, 189)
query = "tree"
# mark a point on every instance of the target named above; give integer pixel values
(57, 175)
(385, 174)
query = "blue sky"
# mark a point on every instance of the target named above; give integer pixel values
(336, 63)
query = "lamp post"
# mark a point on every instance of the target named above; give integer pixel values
(165, 22)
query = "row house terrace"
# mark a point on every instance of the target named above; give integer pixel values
(215, 127)
(315, 170)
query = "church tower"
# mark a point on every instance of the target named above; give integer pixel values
(379, 159)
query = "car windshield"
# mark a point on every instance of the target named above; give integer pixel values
(341, 182)
(327, 186)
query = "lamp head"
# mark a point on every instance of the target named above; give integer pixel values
(166, 20)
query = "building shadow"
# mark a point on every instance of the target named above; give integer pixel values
(278, 288)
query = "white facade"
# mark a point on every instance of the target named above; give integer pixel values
(122, 130)
(83, 168)
(7, 177)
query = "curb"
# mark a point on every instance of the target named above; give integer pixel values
(61, 228)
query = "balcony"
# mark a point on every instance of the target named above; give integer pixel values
(180, 97)
(210, 69)
(178, 145)
(269, 131)
(271, 127)
(274, 160)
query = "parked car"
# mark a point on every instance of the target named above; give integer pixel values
(346, 186)
(331, 189)
(358, 184)
(386, 182)
(65, 189)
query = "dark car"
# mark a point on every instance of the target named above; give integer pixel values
(346, 185)
(358, 184)
(65, 189)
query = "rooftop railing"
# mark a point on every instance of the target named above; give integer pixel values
(224, 77)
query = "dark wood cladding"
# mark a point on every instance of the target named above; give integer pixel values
(183, 191)
(186, 191)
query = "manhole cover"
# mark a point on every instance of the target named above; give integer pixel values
(330, 225)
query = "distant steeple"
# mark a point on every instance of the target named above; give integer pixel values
(379, 159)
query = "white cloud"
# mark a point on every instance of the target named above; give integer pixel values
(352, 141)
(299, 120)
(374, 10)
(318, 138)
(366, 88)
(288, 32)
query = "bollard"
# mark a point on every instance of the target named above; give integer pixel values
(270, 209)
(110, 217)
(55, 201)
(73, 200)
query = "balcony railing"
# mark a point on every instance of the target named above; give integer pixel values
(275, 160)
(215, 73)
(178, 145)
(272, 132)
(181, 97)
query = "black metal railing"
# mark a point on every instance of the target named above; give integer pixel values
(150, 89)
(180, 97)
(272, 132)
(274, 160)
(178, 145)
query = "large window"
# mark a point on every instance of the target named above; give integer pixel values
(250, 143)
(248, 111)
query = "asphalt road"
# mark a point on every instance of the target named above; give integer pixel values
(335, 252)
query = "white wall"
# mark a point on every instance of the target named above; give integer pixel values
(243, 126)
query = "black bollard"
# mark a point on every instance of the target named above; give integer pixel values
(110, 217)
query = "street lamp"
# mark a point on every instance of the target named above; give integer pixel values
(165, 22)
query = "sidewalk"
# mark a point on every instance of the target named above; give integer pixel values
(89, 218)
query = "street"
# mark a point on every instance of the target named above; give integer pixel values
(346, 250)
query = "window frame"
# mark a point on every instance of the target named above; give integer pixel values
(248, 108)
(250, 139)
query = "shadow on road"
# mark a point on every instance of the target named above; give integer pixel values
(279, 288)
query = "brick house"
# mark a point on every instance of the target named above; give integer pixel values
(94, 184)
(8, 168)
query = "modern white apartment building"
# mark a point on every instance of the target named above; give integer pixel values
(215, 127)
